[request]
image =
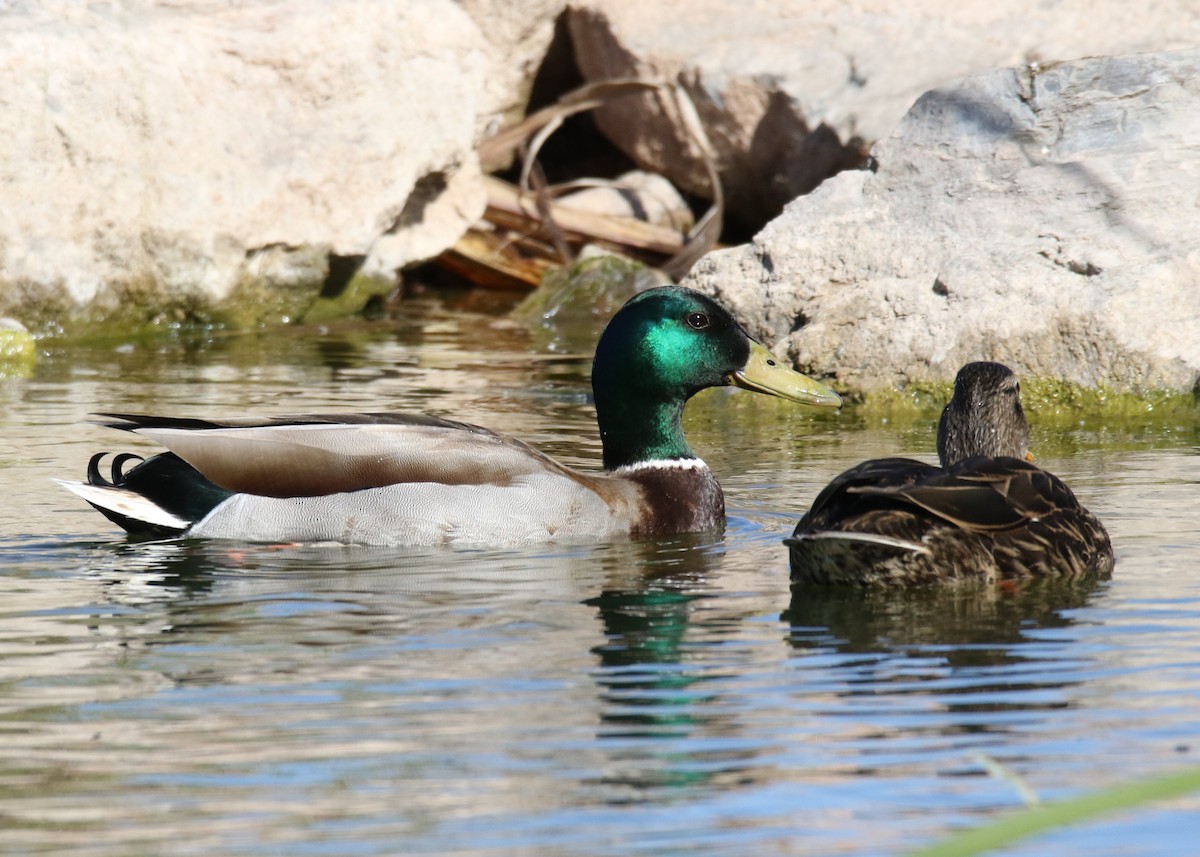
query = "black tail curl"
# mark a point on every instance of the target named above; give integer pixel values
(166, 480)
(94, 477)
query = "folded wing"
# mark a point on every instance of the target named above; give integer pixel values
(981, 494)
(314, 455)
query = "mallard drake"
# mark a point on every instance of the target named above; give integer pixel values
(398, 479)
(987, 513)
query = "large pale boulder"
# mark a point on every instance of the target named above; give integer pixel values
(784, 86)
(175, 149)
(1048, 218)
(517, 36)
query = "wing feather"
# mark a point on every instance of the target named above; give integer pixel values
(314, 455)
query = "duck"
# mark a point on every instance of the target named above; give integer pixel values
(415, 480)
(988, 513)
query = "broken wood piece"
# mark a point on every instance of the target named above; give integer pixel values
(509, 208)
(489, 259)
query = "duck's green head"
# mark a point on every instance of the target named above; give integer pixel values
(661, 348)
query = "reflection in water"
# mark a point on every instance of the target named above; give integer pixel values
(969, 625)
(662, 721)
(136, 573)
(969, 663)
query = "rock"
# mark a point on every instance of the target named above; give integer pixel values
(161, 152)
(785, 87)
(18, 351)
(1045, 217)
(517, 35)
(570, 308)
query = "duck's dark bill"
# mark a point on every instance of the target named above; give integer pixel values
(764, 373)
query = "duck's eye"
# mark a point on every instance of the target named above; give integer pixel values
(698, 320)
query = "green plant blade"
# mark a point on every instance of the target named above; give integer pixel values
(1040, 819)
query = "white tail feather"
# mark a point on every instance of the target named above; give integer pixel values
(126, 503)
(872, 538)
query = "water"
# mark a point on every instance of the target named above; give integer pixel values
(650, 698)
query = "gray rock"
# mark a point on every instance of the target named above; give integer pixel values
(784, 86)
(1047, 217)
(159, 149)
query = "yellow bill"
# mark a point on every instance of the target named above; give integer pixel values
(764, 373)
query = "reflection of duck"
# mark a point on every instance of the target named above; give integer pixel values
(658, 676)
(987, 513)
(404, 479)
(966, 624)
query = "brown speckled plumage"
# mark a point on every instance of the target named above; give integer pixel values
(986, 514)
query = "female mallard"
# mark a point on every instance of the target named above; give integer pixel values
(986, 514)
(415, 480)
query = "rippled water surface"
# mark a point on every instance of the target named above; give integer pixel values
(667, 697)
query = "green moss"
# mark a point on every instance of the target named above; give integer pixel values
(128, 311)
(141, 310)
(1051, 397)
(18, 350)
(358, 294)
(1045, 399)
(918, 399)
(572, 305)
(1066, 418)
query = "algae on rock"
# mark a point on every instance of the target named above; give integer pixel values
(572, 305)
(18, 350)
